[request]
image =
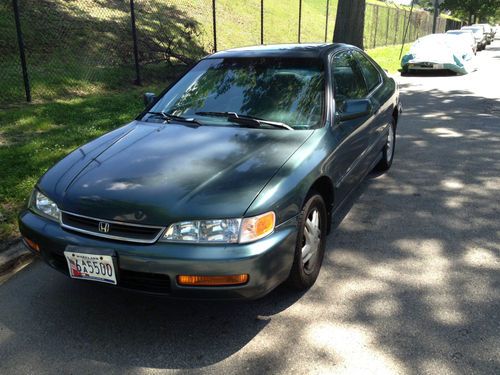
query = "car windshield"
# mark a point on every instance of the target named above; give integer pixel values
(459, 32)
(286, 90)
(473, 29)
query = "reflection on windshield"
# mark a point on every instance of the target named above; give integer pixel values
(276, 89)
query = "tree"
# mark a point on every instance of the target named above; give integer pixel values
(474, 10)
(426, 4)
(350, 22)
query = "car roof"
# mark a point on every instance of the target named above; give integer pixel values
(310, 50)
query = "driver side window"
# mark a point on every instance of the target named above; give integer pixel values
(348, 83)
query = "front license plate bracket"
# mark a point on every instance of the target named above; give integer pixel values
(95, 264)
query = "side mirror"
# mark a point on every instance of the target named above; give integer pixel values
(149, 97)
(354, 108)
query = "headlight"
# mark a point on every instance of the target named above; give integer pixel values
(221, 230)
(44, 206)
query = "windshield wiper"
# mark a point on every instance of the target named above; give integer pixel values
(245, 119)
(170, 117)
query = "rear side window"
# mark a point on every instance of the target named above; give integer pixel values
(348, 82)
(371, 74)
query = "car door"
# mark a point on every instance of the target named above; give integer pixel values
(351, 135)
(382, 110)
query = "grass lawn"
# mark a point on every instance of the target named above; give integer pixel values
(388, 57)
(34, 137)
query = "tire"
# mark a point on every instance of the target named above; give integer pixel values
(304, 274)
(388, 151)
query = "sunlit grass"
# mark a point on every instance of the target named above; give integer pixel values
(34, 137)
(388, 57)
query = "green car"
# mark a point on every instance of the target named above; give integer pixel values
(226, 185)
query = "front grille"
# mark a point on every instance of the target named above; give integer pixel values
(113, 230)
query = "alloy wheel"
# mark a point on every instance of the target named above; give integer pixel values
(390, 145)
(311, 241)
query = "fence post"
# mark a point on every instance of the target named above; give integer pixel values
(137, 80)
(20, 42)
(326, 22)
(405, 30)
(214, 20)
(387, 25)
(376, 27)
(409, 28)
(300, 19)
(397, 27)
(261, 21)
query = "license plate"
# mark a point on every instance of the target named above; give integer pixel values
(93, 267)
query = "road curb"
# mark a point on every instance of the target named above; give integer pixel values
(14, 258)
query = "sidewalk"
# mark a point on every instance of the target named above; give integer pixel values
(13, 258)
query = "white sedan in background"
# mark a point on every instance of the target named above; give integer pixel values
(479, 34)
(467, 36)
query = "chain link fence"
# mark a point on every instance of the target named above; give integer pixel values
(79, 47)
(387, 25)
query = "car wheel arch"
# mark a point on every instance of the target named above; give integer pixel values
(323, 185)
(395, 115)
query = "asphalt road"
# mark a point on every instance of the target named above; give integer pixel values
(410, 282)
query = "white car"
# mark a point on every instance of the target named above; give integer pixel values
(479, 34)
(467, 36)
(439, 52)
(488, 30)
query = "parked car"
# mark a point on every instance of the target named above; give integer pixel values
(225, 186)
(488, 32)
(439, 52)
(467, 36)
(479, 34)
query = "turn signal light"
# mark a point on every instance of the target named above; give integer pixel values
(253, 228)
(31, 244)
(191, 280)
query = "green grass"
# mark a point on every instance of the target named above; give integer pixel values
(34, 137)
(388, 57)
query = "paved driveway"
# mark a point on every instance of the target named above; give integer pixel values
(410, 282)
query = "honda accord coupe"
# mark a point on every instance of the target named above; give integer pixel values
(226, 184)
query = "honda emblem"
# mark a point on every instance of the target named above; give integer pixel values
(103, 227)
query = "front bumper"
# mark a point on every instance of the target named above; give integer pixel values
(154, 267)
(426, 66)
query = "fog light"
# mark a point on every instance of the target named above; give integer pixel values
(192, 280)
(31, 244)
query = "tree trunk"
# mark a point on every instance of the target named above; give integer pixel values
(350, 22)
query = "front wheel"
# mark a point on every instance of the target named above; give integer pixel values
(388, 151)
(310, 244)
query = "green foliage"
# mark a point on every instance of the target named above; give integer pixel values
(468, 8)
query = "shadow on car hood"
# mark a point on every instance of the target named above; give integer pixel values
(158, 174)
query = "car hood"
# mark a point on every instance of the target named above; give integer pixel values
(157, 174)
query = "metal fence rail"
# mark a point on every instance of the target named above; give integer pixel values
(57, 48)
